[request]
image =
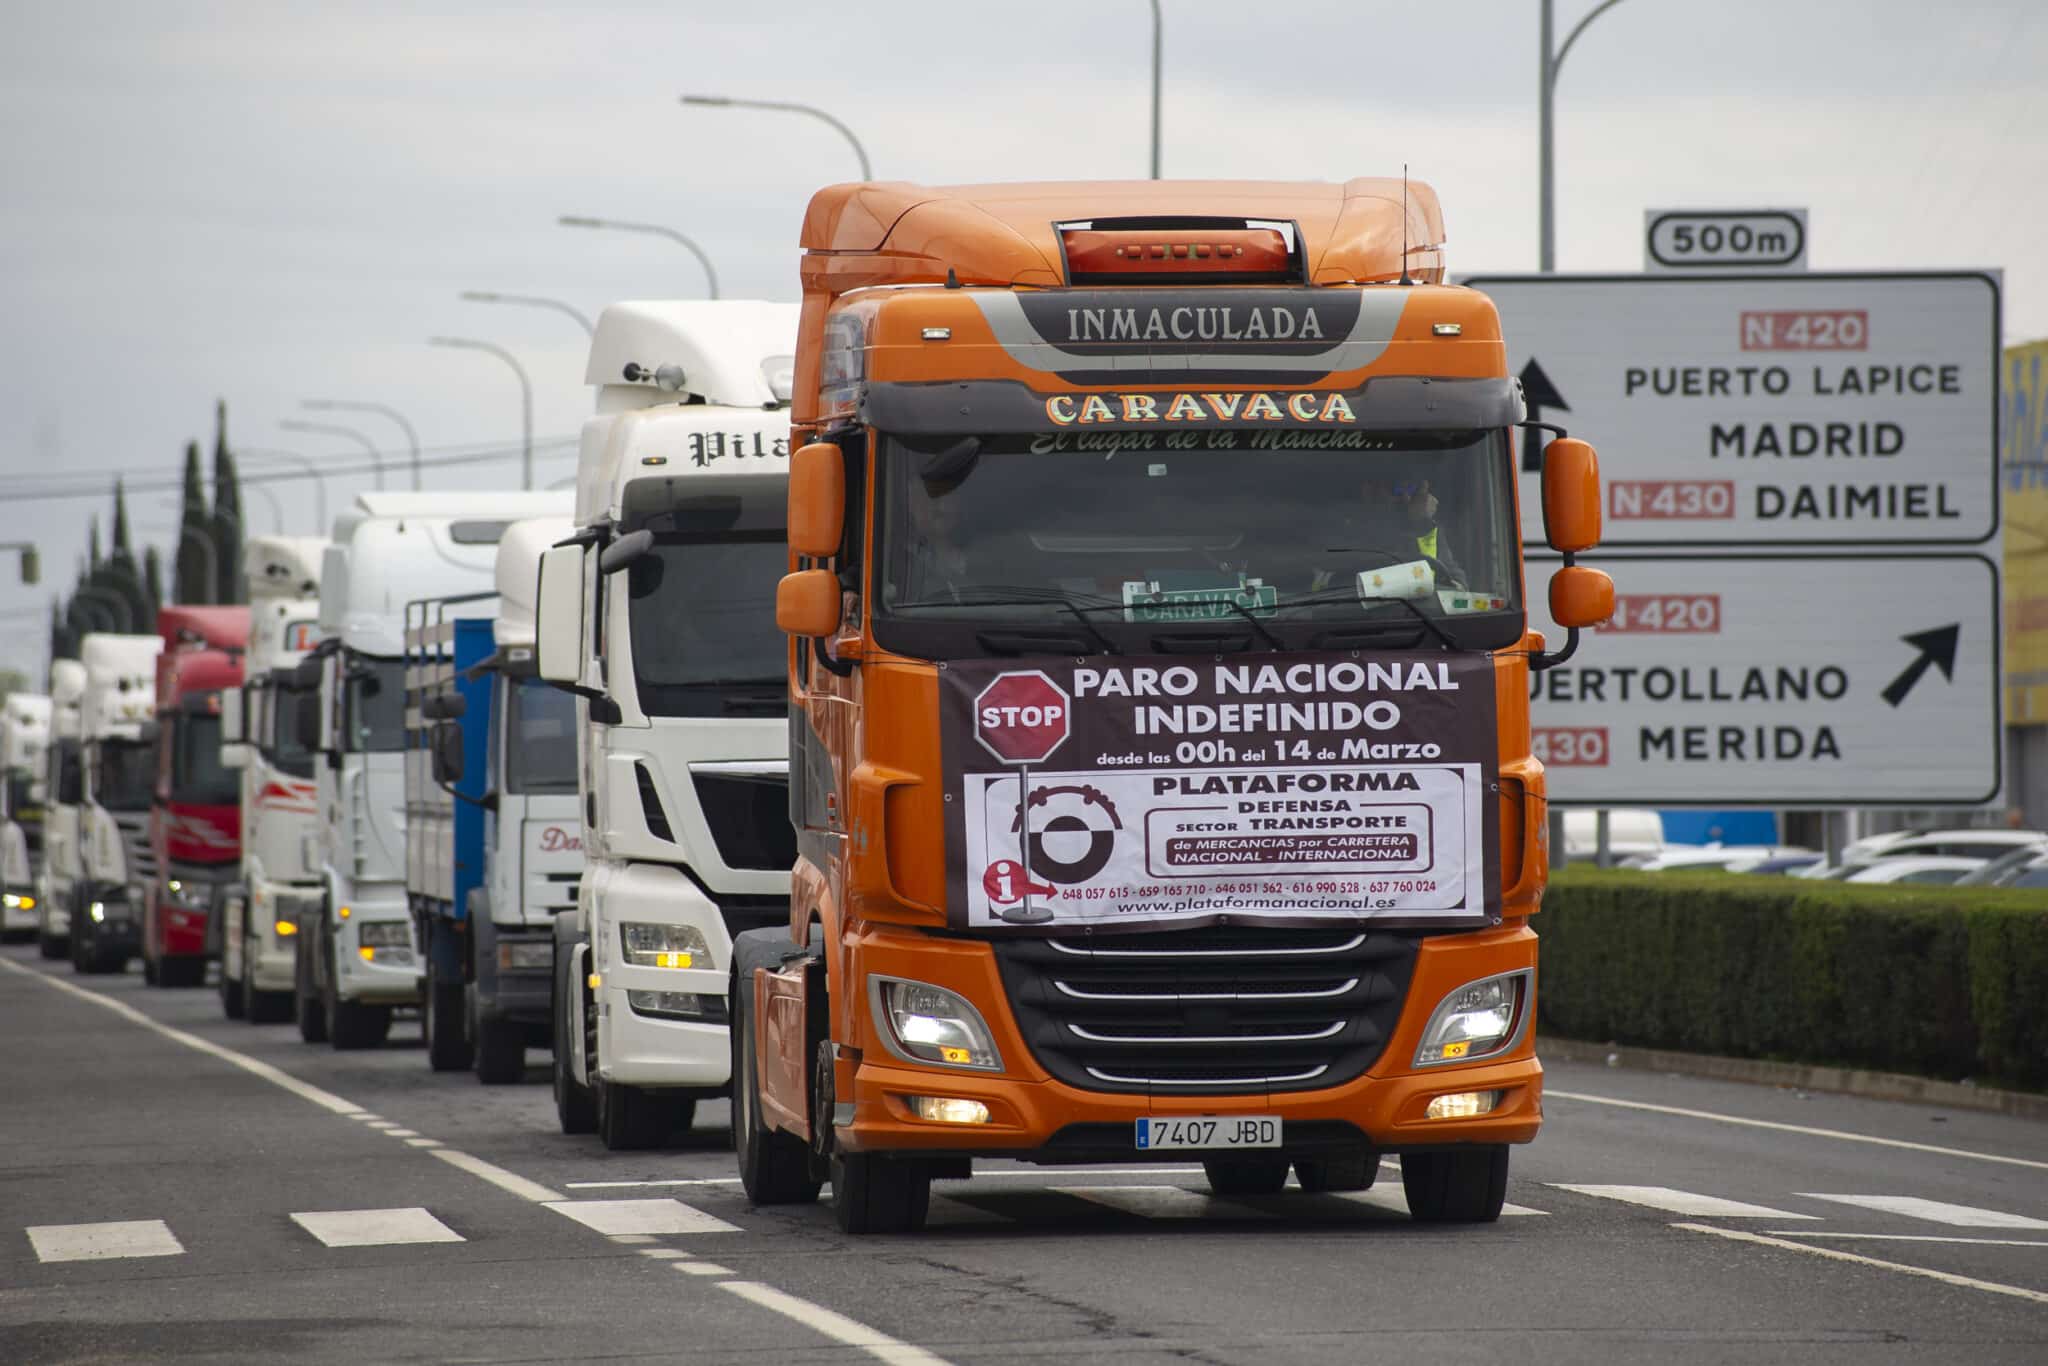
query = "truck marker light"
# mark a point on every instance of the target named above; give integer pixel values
(368, 952)
(1463, 1105)
(1457, 1050)
(938, 334)
(654, 460)
(948, 1109)
(672, 960)
(285, 929)
(1449, 329)
(594, 981)
(956, 1055)
(343, 912)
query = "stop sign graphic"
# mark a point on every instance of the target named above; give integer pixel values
(1022, 717)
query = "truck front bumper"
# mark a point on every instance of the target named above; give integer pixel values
(15, 917)
(270, 959)
(394, 973)
(515, 967)
(1036, 1117)
(106, 922)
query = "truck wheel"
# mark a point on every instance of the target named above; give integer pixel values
(234, 997)
(52, 945)
(1248, 1175)
(630, 1116)
(573, 1104)
(353, 1025)
(500, 1051)
(150, 976)
(267, 1007)
(874, 1194)
(181, 972)
(775, 1167)
(1337, 1173)
(448, 1048)
(1465, 1186)
(312, 1014)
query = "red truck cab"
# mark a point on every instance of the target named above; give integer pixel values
(195, 824)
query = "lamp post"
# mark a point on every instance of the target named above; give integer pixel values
(318, 476)
(332, 429)
(1157, 24)
(1546, 88)
(525, 397)
(572, 220)
(783, 106)
(412, 439)
(485, 296)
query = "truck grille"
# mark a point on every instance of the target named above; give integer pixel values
(141, 855)
(749, 819)
(1210, 1011)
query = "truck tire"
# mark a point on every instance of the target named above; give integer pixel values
(630, 1117)
(1249, 1174)
(352, 1025)
(149, 971)
(181, 972)
(267, 1007)
(876, 1194)
(1354, 1173)
(448, 1047)
(1464, 1186)
(574, 1106)
(52, 945)
(311, 1012)
(234, 995)
(775, 1167)
(500, 1051)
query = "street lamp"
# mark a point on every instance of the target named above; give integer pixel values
(331, 429)
(525, 397)
(1546, 87)
(412, 439)
(485, 296)
(1157, 23)
(727, 102)
(570, 220)
(319, 477)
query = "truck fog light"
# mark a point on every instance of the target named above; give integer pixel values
(1477, 1020)
(1462, 1105)
(948, 1109)
(696, 1007)
(369, 954)
(650, 945)
(930, 1024)
(525, 957)
(285, 928)
(98, 911)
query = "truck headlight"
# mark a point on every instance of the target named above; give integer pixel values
(1477, 1020)
(924, 1023)
(649, 945)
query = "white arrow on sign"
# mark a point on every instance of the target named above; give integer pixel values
(1825, 680)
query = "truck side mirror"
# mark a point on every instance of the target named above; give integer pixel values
(558, 616)
(807, 603)
(447, 754)
(817, 501)
(1571, 495)
(233, 729)
(234, 756)
(1580, 597)
(624, 551)
(444, 706)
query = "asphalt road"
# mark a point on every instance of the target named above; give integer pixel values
(178, 1187)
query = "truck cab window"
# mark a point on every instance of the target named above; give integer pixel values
(373, 704)
(540, 738)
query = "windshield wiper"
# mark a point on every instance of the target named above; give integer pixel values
(1346, 595)
(1003, 596)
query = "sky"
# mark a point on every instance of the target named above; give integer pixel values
(269, 202)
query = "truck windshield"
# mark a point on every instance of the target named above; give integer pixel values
(540, 738)
(373, 704)
(124, 775)
(197, 776)
(703, 612)
(1116, 539)
(280, 741)
(68, 772)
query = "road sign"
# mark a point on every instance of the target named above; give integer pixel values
(1769, 411)
(1724, 240)
(1823, 680)
(1022, 717)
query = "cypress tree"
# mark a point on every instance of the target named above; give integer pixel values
(153, 578)
(93, 558)
(63, 644)
(123, 575)
(192, 572)
(227, 512)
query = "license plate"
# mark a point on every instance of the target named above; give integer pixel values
(1210, 1131)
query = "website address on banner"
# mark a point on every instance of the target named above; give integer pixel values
(1284, 904)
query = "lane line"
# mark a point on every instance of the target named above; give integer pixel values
(510, 1182)
(617, 1217)
(665, 1254)
(1837, 1255)
(401, 1133)
(1808, 1130)
(104, 1242)
(423, 1143)
(978, 1176)
(1905, 1238)
(326, 1100)
(375, 1227)
(702, 1268)
(1934, 1211)
(835, 1326)
(1680, 1202)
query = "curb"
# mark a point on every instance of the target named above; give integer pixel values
(1848, 1081)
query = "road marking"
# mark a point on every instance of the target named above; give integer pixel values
(665, 1254)
(375, 1227)
(640, 1216)
(978, 1176)
(104, 1242)
(326, 1100)
(423, 1143)
(1552, 1093)
(1905, 1238)
(510, 1182)
(835, 1326)
(1837, 1255)
(636, 1185)
(702, 1268)
(401, 1133)
(633, 1239)
(385, 1124)
(1681, 1202)
(1162, 1202)
(1397, 1203)
(1934, 1211)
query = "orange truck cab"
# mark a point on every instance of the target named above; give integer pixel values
(1159, 739)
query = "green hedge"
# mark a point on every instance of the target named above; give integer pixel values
(1940, 981)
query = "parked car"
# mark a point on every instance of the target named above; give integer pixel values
(2004, 870)
(1785, 865)
(1733, 858)
(1933, 870)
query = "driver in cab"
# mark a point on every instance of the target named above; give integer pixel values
(1393, 521)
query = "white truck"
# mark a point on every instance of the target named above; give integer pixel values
(280, 803)
(661, 620)
(64, 797)
(494, 845)
(119, 757)
(356, 959)
(24, 739)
